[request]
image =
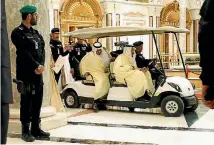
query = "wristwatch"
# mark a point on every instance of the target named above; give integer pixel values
(39, 66)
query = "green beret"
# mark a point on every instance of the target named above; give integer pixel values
(28, 9)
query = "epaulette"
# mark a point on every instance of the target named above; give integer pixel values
(21, 28)
(52, 46)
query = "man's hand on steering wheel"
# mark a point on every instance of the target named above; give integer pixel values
(151, 64)
(144, 69)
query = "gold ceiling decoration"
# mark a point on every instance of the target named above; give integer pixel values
(77, 14)
(74, 11)
(170, 15)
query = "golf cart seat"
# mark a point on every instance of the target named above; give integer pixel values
(114, 83)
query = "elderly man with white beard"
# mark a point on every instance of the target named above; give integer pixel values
(97, 64)
(126, 72)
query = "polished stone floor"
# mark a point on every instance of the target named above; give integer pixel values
(123, 127)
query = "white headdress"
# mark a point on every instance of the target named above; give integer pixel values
(127, 52)
(104, 55)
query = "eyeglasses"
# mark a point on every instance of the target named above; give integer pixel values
(35, 14)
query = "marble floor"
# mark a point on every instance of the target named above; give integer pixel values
(123, 127)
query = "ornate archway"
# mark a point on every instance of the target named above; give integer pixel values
(77, 14)
(170, 16)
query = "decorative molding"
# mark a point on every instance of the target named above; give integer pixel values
(137, 23)
(133, 14)
(140, 1)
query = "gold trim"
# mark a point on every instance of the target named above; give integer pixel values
(170, 16)
(80, 14)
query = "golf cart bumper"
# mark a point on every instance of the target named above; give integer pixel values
(190, 100)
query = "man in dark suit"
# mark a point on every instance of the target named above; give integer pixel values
(57, 49)
(6, 84)
(30, 60)
(80, 49)
(141, 61)
(205, 39)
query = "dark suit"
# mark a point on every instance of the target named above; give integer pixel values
(76, 55)
(6, 84)
(141, 61)
(30, 54)
(205, 39)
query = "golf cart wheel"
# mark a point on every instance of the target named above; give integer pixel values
(192, 108)
(172, 106)
(131, 109)
(71, 100)
(95, 107)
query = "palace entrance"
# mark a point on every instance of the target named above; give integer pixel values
(170, 16)
(78, 14)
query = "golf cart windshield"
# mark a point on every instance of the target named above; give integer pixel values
(91, 33)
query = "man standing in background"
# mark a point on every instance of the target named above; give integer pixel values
(6, 84)
(57, 49)
(79, 51)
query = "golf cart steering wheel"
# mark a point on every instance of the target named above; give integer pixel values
(152, 64)
(152, 67)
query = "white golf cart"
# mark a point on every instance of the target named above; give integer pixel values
(173, 95)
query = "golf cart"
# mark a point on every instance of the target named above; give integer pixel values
(173, 95)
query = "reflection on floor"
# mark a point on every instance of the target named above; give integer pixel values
(192, 117)
(123, 127)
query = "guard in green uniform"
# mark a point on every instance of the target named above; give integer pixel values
(30, 62)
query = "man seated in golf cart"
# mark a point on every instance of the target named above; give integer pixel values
(142, 63)
(126, 72)
(94, 67)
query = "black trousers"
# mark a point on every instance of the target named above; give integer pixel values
(4, 122)
(57, 76)
(31, 103)
(77, 75)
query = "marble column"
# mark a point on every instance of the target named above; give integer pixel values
(109, 40)
(182, 4)
(150, 38)
(118, 24)
(195, 36)
(50, 118)
(56, 18)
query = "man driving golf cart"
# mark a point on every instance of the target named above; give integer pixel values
(143, 63)
(126, 72)
(94, 67)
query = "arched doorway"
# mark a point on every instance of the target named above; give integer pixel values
(78, 14)
(170, 16)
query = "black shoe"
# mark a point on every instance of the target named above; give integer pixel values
(26, 135)
(40, 134)
(37, 132)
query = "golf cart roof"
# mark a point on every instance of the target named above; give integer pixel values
(90, 33)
